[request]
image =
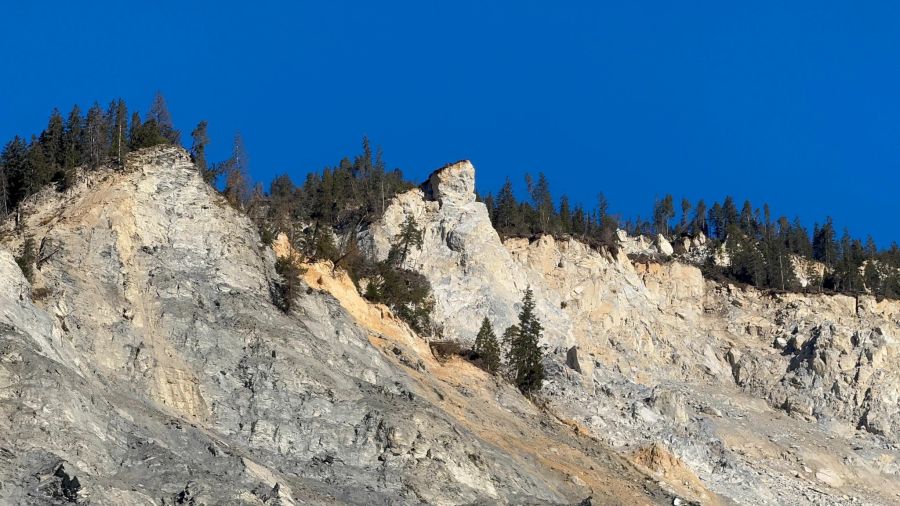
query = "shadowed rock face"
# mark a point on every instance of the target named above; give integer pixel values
(786, 398)
(155, 369)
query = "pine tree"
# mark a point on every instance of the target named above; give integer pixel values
(410, 237)
(134, 131)
(565, 215)
(27, 258)
(663, 211)
(717, 221)
(4, 192)
(525, 357)
(699, 223)
(487, 348)
(200, 139)
(118, 145)
(95, 136)
(159, 113)
(13, 159)
(237, 185)
(53, 140)
(543, 201)
(74, 150)
(824, 246)
(685, 212)
(729, 215)
(507, 221)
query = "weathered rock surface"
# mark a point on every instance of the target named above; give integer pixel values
(154, 369)
(669, 358)
(147, 365)
(471, 272)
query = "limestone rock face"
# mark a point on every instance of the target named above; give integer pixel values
(665, 355)
(472, 274)
(148, 365)
(453, 184)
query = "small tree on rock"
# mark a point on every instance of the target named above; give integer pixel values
(410, 237)
(487, 348)
(525, 357)
(26, 259)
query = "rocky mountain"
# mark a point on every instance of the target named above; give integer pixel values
(147, 364)
(767, 398)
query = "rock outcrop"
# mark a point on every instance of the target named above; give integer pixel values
(471, 272)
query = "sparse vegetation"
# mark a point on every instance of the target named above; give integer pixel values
(523, 365)
(26, 259)
(487, 348)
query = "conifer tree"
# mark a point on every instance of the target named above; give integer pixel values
(663, 211)
(237, 185)
(26, 259)
(14, 161)
(134, 131)
(4, 192)
(118, 144)
(699, 222)
(507, 209)
(525, 357)
(53, 140)
(685, 212)
(487, 348)
(159, 113)
(95, 136)
(543, 201)
(73, 140)
(200, 139)
(729, 215)
(410, 237)
(565, 215)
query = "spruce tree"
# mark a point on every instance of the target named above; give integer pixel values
(159, 113)
(53, 140)
(487, 348)
(699, 223)
(27, 258)
(118, 145)
(525, 358)
(237, 185)
(200, 139)
(95, 136)
(410, 237)
(507, 215)
(74, 150)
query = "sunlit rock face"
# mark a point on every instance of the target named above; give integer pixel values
(665, 355)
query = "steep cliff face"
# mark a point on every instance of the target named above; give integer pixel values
(147, 364)
(471, 272)
(153, 368)
(778, 398)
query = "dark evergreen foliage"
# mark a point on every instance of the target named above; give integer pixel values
(525, 358)
(342, 200)
(487, 348)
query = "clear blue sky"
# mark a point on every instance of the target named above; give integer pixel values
(794, 103)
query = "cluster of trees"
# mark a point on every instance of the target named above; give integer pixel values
(539, 215)
(321, 217)
(517, 356)
(78, 140)
(763, 251)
